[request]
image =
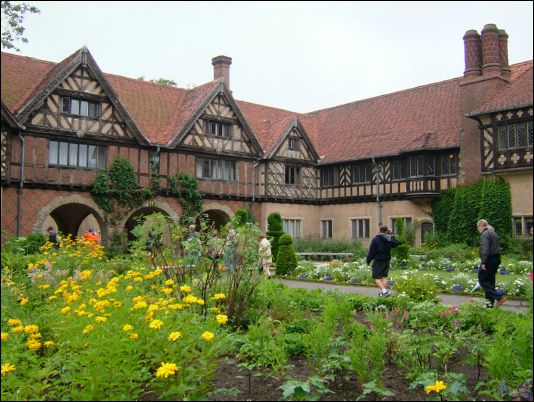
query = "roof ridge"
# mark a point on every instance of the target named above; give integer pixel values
(270, 107)
(28, 57)
(145, 81)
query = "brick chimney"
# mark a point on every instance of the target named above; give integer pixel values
(472, 53)
(491, 62)
(221, 69)
(503, 54)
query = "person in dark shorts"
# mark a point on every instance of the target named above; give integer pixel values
(380, 252)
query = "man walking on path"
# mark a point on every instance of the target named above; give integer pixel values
(490, 259)
(380, 252)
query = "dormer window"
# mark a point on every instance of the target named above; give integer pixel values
(293, 143)
(217, 128)
(79, 107)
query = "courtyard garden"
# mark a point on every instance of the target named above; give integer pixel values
(172, 322)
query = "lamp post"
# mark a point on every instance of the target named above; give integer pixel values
(376, 173)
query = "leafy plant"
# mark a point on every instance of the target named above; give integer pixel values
(287, 259)
(309, 390)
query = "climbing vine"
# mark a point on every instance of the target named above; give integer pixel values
(116, 190)
(185, 188)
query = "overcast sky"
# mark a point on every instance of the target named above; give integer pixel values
(299, 56)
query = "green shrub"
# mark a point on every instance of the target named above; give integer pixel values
(29, 244)
(287, 259)
(274, 231)
(520, 246)
(417, 286)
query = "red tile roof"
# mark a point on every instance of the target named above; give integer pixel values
(425, 117)
(517, 94)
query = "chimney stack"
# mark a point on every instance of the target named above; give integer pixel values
(486, 55)
(221, 69)
(472, 53)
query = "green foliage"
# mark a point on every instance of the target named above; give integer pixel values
(401, 252)
(300, 390)
(26, 244)
(116, 190)
(243, 216)
(287, 259)
(417, 286)
(274, 231)
(496, 208)
(465, 214)
(441, 210)
(12, 18)
(185, 187)
(521, 247)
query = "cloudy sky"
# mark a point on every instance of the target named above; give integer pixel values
(300, 56)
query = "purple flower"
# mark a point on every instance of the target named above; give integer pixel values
(503, 271)
(327, 278)
(355, 280)
(451, 269)
(457, 288)
(391, 283)
(302, 276)
(424, 266)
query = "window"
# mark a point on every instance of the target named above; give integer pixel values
(293, 143)
(292, 175)
(326, 229)
(513, 136)
(449, 165)
(398, 169)
(81, 107)
(361, 173)
(330, 177)
(292, 227)
(76, 155)
(522, 225)
(360, 228)
(407, 224)
(217, 128)
(216, 169)
(417, 166)
(153, 162)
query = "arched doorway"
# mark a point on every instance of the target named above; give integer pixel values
(426, 227)
(214, 217)
(137, 218)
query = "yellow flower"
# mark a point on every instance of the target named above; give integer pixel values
(15, 330)
(65, 310)
(166, 370)
(37, 335)
(138, 279)
(43, 286)
(6, 368)
(31, 329)
(129, 288)
(218, 296)
(127, 327)
(5, 335)
(437, 387)
(85, 274)
(169, 282)
(48, 343)
(156, 324)
(14, 322)
(185, 288)
(31, 266)
(208, 336)
(221, 319)
(101, 319)
(134, 336)
(174, 336)
(33, 344)
(88, 328)
(24, 301)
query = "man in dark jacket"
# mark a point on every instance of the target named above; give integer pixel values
(380, 252)
(490, 259)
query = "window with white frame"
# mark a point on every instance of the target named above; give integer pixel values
(522, 225)
(393, 223)
(360, 228)
(216, 169)
(81, 107)
(326, 229)
(76, 155)
(292, 227)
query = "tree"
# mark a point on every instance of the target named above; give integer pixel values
(161, 81)
(274, 231)
(286, 261)
(12, 17)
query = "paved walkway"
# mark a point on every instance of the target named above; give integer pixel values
(446, 299)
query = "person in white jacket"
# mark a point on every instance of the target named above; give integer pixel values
(265, 255)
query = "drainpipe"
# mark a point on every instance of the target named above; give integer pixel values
(253, 185)
(21, 181)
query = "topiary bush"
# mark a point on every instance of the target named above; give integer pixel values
(287, 259)
(274, 231)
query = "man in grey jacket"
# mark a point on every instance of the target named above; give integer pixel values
(490, 259)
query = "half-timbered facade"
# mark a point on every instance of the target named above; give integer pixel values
(336, 172)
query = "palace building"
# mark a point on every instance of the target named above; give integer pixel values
(331, 173)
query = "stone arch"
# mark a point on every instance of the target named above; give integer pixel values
(219, 214)
(147, 208)
(76, 206)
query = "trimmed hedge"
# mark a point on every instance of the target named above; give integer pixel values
(287, 259)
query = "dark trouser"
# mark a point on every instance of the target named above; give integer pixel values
(487, 278)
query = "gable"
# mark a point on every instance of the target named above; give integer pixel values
(219, 128)
(296, 146)
(80, 104)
